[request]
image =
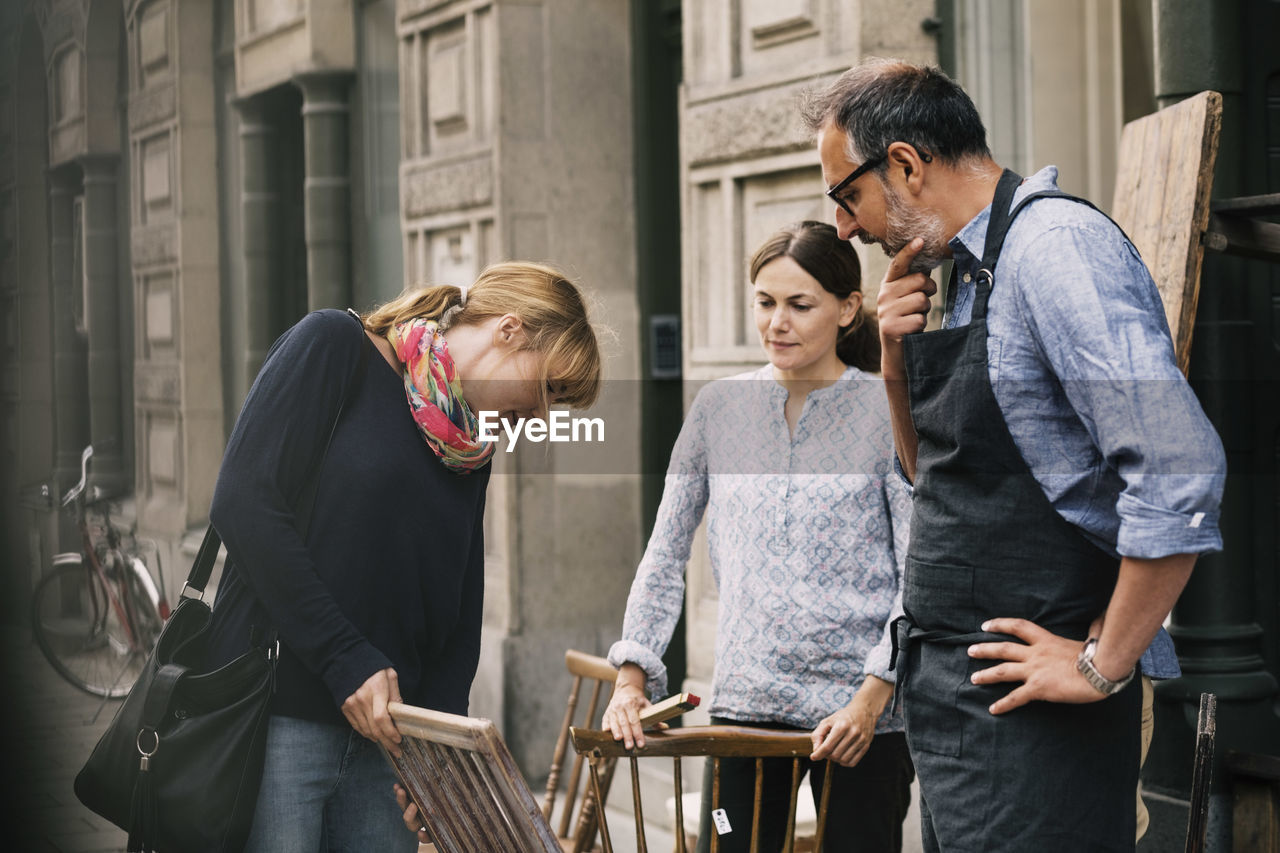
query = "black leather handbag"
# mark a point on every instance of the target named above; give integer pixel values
(180, 765)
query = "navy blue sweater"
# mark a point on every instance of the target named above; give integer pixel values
(392, 570)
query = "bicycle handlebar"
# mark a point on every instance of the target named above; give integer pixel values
(75, 491)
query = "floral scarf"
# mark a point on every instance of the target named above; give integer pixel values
(435, 396)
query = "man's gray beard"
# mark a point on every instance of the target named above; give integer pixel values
(904, 224)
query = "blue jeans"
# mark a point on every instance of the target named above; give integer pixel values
(325, 789)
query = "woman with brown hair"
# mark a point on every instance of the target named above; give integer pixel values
(376, 591)
(807, 531)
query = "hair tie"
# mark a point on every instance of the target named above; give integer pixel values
(451, 313)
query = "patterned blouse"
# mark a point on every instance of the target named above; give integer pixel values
(807, 538)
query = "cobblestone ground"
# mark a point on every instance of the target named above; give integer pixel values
(50, 728)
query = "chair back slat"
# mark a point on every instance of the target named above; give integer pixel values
(715, 802)
(677, 782)
(828, 779)
(465, 790)
(576, 826)
(790, 846)
(467, 787)
(424, 785)
(714, 743)
(725, 741)
(557, 757)
(755, 806)
(523, 812)
(575, 778)
(479, 785)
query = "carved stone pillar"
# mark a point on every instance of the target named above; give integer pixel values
(260, 233)
(326, 110)
(102, 323)
(69, 372)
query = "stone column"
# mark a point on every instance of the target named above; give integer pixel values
(1221, 618)
(260, 233)
(69, 372)
(102, 322)
(326, 112)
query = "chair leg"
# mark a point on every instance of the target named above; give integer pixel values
(1202, 773)
(605, 840)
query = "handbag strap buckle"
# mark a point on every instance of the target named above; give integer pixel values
(197, 594)
(155, 737)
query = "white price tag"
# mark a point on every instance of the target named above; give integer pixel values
(721, 821)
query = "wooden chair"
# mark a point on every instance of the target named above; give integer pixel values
(594, 677)
(467, 787)
(714, 742)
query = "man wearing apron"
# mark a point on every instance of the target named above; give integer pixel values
(1032, 426)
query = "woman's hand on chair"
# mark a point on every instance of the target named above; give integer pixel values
(622, 716)
(845, 736)
(366, 709)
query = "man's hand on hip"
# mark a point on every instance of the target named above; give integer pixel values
(1044, 662)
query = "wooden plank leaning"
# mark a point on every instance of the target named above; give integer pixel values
(1164, 177)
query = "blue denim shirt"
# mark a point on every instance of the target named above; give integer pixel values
(1083, 368)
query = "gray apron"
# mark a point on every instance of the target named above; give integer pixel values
(986, 542)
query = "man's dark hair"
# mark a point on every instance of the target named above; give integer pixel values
(882, 101)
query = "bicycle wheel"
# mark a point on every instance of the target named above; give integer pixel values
(80, 631)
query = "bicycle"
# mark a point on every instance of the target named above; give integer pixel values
(97, 612)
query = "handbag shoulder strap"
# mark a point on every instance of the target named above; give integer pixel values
(207, 556)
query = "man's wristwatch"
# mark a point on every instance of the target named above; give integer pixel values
(1104, 685)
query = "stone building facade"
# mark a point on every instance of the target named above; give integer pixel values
(181, 179)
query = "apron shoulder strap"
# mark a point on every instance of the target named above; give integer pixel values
(996, 236)
(998, 229)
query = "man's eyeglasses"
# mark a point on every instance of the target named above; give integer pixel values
(834, 192)
(867, 166)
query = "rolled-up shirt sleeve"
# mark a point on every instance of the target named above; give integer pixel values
(1103, 334)
(657, 593)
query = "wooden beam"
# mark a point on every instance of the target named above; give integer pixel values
(1245, 236)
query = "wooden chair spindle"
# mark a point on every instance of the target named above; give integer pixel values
(642, 845)
(677, 783)
(828, 779)
(791, 812)
(755, 808)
